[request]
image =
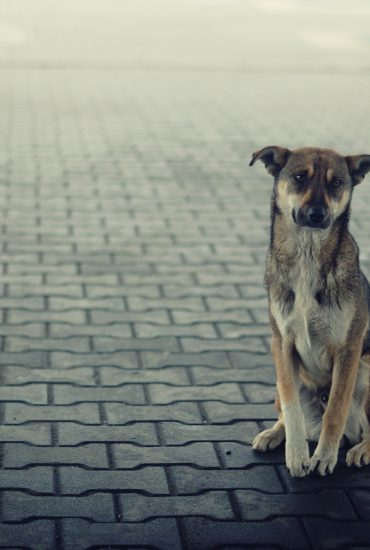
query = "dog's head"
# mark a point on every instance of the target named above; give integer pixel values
(313, 186)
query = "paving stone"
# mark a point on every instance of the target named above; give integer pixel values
(139, 433)
(330, 535)
(30, 330)
(203, 533)
(361, 502)
(246, 360)
(22, 316)
(238, 455)
(209, 375)
(131, 393)
(106, 344)
(113, 376)
(36, 434)
(190, 480)
(214, 504)
(225, 291)
(200, 345)
(201, 330)
(17, 344)
(256, 506)
(158, 533)
(63, 330)
(36, 534)
(18, 455)
(63, 304)
(29, 358)
(151, 480)
(341, 478)
(146, 291)
(153, 359)
(226, 412)
(17, 413)
(131, 456)
(102, 317)
(161, 393)
(20, 506)
(238, 316)
(119, 413)
(37, 479)
(31, 393)
(22, 375)
(140, 304)
(123, 359)
(176, 434)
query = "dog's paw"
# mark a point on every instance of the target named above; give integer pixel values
(268, 440)
(297, 458)
(323, 462)
(359, 455)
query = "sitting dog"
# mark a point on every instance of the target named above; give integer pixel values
(319, 306)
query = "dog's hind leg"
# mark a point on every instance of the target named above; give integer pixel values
(273, 437)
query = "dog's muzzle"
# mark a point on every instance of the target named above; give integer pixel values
(312, 217)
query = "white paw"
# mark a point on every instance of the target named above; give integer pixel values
(323, 461)
(359, 455)
(268, 440)
(297, 458)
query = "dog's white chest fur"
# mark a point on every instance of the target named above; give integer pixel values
(312, 325)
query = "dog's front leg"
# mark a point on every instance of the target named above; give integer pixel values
(346, 365)
(287, 370)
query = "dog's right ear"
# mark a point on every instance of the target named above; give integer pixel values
(273, 157)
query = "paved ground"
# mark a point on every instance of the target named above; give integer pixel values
(135, 365)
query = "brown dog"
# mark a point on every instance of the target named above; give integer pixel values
(319, 303)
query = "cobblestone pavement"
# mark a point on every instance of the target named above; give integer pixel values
(135, 364)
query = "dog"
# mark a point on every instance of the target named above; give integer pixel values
(319, 308)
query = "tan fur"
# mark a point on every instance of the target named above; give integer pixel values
(319, 313)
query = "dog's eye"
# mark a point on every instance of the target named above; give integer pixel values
(337, 182)
(300, 177)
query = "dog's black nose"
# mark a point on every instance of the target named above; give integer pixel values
(316, 215)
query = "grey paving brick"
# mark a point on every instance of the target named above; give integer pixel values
(161, 393)
(62, 304)
(150, 480)
(146, 291)
(329, 535)
(342, 478)
(18, 413)
(233, 330)
(189, 480)
(22, 291)
(119, 413)
(140, 304)
(30, 330)
(158, 533)
(131, 393)
(227, 412)
(20, 506)
(36, 535)
(102, 317)
(154, 359)
(18, 455)
(37, 479)
(256, 506)
(201, 330)
(139, 433)
(260, 393)
(24, 316)
(64, 330)
(123, 359)
(176, 434)
(239, 344)
(113, 376)
(209, 375)
(203, 533)
(31, 393)
(18, 343)
(237, 316)
(22, 375)
(64, 279)
(214, 504)
(36, 434)
(243, 360)
(225, 291)
(107, 344)
(361, 501)
(238, 455)
(131, 456)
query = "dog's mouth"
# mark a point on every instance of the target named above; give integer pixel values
(311, 218)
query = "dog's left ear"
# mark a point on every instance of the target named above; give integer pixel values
(358, 166)
(273, 157)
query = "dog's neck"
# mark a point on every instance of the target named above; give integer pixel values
(291, 243)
